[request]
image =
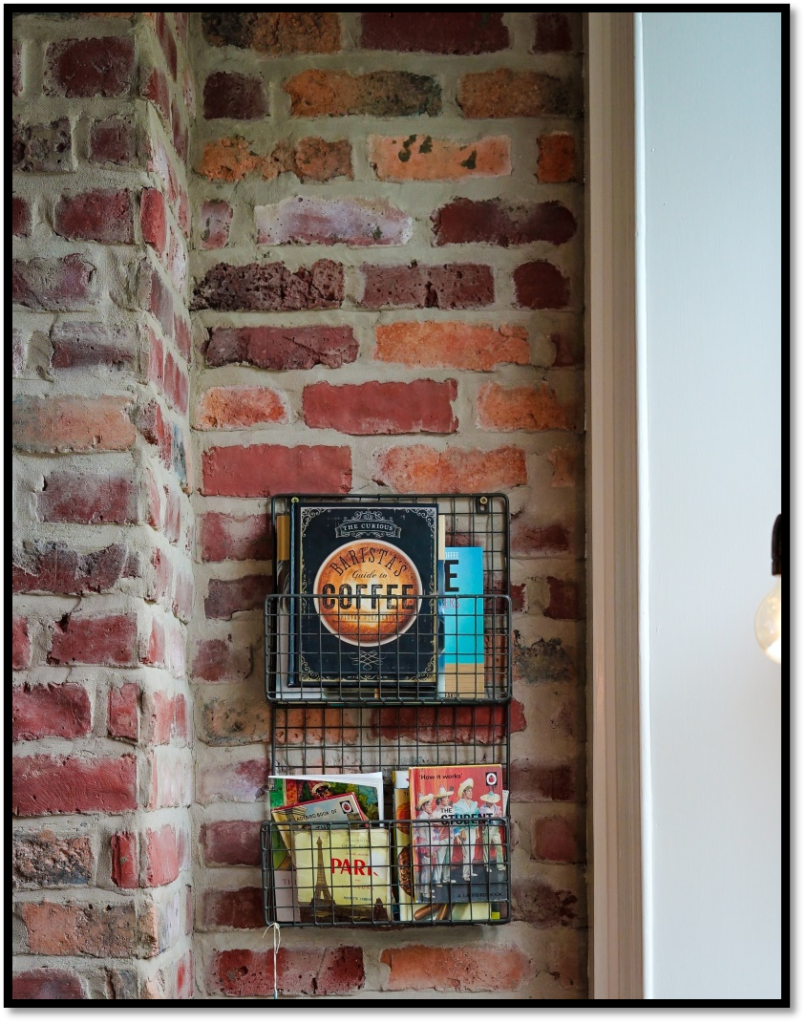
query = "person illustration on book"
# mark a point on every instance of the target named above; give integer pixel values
(424, 858)
(441, 836)
(464, 831)
(320, 790)
(491, 834)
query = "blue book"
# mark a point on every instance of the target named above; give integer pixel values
(462, 659)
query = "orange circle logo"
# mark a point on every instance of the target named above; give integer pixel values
(367, 594)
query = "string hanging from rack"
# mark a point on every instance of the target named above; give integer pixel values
(275, 929)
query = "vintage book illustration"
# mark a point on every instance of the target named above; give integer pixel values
(458, 853)
(368, 788)
(318, 814)
(368, 616)
(462, 657)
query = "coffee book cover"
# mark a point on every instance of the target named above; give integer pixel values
(368, 585)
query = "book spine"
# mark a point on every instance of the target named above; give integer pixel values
(403, 849)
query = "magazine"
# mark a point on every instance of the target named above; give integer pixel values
(462, 657)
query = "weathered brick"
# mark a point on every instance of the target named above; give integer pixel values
(46, 983)
(167, 42)
(282, 348)
(20, 643)
(556, 838)
(422, 406)
(498, 222)
(182, 337)
(166, 648)
(166, 854)
(228, 159)
(155, 89)
(526, 408)
(19, 350)
(152, 219)
(102, 216)
(20, 217)
(79, 344)
(112, 141)
(275, 32)
(316, 726)
(451, 286)
(261, 470)
(239, 407)
(541, 285)
(531, 781)
(544, 661)
(232, 908)
(553, 32)
(219, 661)
(564, 600)
(123, 712)
(233, 95)
(155, 297)
(90, 67)
(46, 860)
(531, 539)
(422, 158)
(242, 782)
(507, 93)
(59, 284)
(311, 159)
(229, 722)
(42, 147)
(565, 466)
(454, 32)
(52, 709)
(71, 785)
(480, 968)
(16, 67)
(72, 424)
(318, 971)
(226, 597)
(345, 221)
(222, 536)
(166, 717)
(52, 567)
(270, 287)
(104, 640)
(557, 160)
(440, 725)
(453, 344)
(82, 929)
(316, 159)
(216, 217)
(175, 383)
(375, 94)
(536, 901)
(171, 783)
(231, 843)
(417, 469)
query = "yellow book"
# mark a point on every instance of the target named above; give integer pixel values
(343, 874)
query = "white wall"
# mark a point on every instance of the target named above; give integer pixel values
(709, 168)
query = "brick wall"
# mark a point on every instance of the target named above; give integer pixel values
(359, 267)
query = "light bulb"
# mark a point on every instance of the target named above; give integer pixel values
(768, 623)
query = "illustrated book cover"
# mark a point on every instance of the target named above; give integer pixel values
(462, 658)
(368, 788)
(458, 850)
(368, 611)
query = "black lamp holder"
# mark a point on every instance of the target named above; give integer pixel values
(776, 547)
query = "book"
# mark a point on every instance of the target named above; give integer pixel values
(368, 789)
(318, 814)
(367, 576)
(458, 853)
(342, 874)
(462, 656)
(403, 848)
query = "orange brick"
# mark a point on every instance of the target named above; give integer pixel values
(239, 407)
(481, 968)
(506, 93)
(564, 462)
(556, 158)
(524, 408)
(318, 93)
(312, 159)
(73, 424)
(227, 160)
(454, 344)
(422, 158)
(417, 468)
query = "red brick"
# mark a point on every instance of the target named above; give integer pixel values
(555, 839)
(166, 648)
(70, 785)
(48, 983)
(166, 38)
(230, 94)
(422, 406)
(152, 218)
(564, 600)
(454, 32)
(243, 782)
(440, 725)
(75, 929)
(72, 424)
(160, 713)
(42, 148)
(553, 33)
(239, 407)
(275, 32)
(531, 539)
(231, 843)
(541, 285)
(270, 287)
(226, 597)
(105, 640)
(124, 847)
(182, 337)
(52, 567)
(451, 286)
(95, 216)
(536, 901)
(53, 709)
(375, 94)
(166, 854)
(46, 860)
(318, 971)
(20, 643)
(184, 977)
(156, 90)
(262, 470)
(171, 783)
(526, 408)
(498, 222)
(455, 344)
(531, 781)
(123, 712)
(479, 968)
(556, 158)
(544, 661)
(16, 67)
(175, 383)
(316, 159)
(315, 727)
(564, 462)
(417, 469)
(232, 908)
(112, 141)
(216, 219)
(223, 536)
(20, 217)
(422, 158)
(345, 221)
(218, 661)
(235, 721)
(91, 67)
(80, 344)
(182, 604)
(63, 284)
(156, 297)
(282, 348)
(508, 93)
